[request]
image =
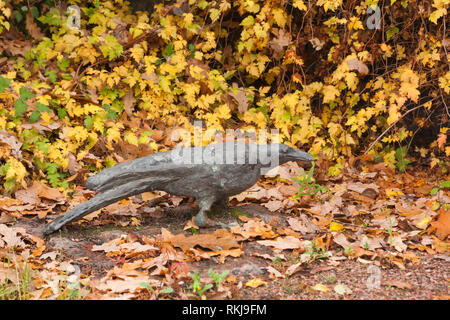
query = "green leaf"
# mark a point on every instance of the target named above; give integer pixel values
(62, 113)
(146, 286)
(35, 116)
(248, 21)
(35, 12)
(20, 107)
(63, 64)
(168, 51)
(167, 290)
(9, 185)
(445, 184)
(391, 32)
(25, 94)
(19, 16)
(434, 191)
(88, 122)
(42, 107)
(52, 75)
(4, 83)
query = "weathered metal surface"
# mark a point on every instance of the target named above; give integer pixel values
(211, 174)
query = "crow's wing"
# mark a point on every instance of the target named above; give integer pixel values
(154, 165)
(172, 164)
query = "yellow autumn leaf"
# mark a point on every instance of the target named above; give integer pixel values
(393, 193)
(256, 282)
(320, 287)
(330, 93)
(335, 226)
(299, 4)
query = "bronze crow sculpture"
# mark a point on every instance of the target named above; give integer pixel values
(211, 174)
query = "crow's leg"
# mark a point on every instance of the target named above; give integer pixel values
(201, 218)
(99, 201)
(205, 204)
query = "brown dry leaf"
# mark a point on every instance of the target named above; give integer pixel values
(398, 284)
(47, 192)
(288, 190)
(130, 282)
(219, 240)
(256, 282)
(253, 228)
(397, 243)
(33, 28)
(282, 171)
(118, 246)
(341, 240)
(293, 269)
(73, 166)
(29, 195)
(190, 224)
(440, 246)
(221, 253)
(273, 205)
(282, 40)
(256, 192)
(9, 237)
(12, 205)
(369, 242)
(285, 243)
(355, 64)
(128, 101)
(274, 273)
(442, 224)
(13, 143)
(240, 97)
(367, 190)
(302, 224)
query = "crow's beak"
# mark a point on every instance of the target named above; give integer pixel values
(298, 155)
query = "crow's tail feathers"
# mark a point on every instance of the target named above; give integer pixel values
(99, 201)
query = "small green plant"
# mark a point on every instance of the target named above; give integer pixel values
(349, 251)
(443, 185)
(331, 278)
(19, 289)
(316, 252)
(235, 212)
(197, 287)
(167, 290)
(366, 246)
(307, 186)
(402, 161)
(218, 277)
(193, 230)
(277, 261)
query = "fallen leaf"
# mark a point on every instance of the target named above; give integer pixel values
(442, 224)
(274, 273)
(219, 240)
(320, 287)
(32, 27)
(256, 282)
(335, 226)
(273, 205)
(398, 284)
(285, 243)
(342, 289)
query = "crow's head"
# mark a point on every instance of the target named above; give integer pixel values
(290, 154)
